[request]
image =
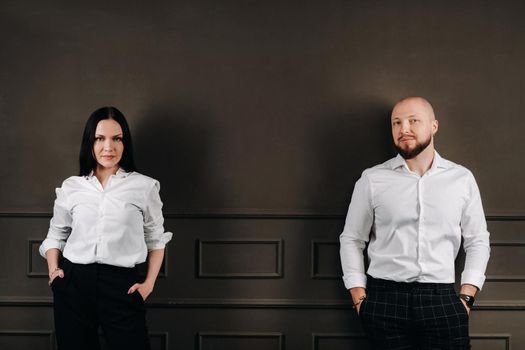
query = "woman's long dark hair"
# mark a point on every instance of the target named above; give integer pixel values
(87, 161)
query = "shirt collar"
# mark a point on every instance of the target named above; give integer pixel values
(121, 173)
(397, 162)
(438, 162)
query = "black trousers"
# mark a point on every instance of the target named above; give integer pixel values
(95, 295)
(423, 316)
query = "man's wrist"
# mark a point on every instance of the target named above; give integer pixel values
(359, 300)
(468, 289)
(358, 294)
(468, 299)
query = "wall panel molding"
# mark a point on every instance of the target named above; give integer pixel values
(317, 338)
(315, 257)
(180, 303)
(236, 271)
(503, 339)
(30, 333)
(162, 338)
(248, 214)
(30, 259)
(158, 340)
(201, 337)
(506, 278)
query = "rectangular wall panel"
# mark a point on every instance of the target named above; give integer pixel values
(26, 339)
(36, 264)
(326, 263)
(343, 341)
(258, 258)
(506, 261)
(240, 341)
(490, 342)
(158, 341)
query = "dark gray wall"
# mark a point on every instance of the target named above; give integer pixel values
(257, 118)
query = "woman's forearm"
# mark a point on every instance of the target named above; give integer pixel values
(155, 258)
(52, 257)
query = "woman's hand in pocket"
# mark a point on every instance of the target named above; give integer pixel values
(144, 289)
(56, 273)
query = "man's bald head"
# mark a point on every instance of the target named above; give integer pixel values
(414, 103)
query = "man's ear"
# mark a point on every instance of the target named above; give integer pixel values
(435, 126)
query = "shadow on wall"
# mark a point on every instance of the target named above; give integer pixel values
(345, 145)
(173, 145)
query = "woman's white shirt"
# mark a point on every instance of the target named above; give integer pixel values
(116, 225)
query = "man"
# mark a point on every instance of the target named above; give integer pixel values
(413, 211)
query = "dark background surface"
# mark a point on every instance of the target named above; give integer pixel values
(257, 118)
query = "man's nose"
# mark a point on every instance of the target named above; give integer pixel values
(405, 127)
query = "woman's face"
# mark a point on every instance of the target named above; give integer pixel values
(108, 146)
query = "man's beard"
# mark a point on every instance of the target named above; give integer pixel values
(414, 152)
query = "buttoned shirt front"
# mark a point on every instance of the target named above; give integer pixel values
(116, 225)
(414, 225)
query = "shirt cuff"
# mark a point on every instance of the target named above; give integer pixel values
(159, 242)
(354, 280)
(476, 278)
(50, 244)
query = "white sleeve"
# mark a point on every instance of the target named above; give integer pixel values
(59, 226)
(475, 237)
(154, 233)
(356, 233)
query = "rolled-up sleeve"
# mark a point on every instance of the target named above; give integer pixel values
(356, 233)
(475, 237)
(154, 233)
(59, 226)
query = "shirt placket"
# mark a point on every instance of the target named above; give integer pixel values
(421, 245)
(102, 213)
(100, 228)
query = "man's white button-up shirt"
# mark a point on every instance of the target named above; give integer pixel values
(414, 225)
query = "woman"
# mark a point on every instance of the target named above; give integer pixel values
(105, 221)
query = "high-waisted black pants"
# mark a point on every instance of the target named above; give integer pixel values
(95, 295)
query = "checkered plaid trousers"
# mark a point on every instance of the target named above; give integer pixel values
(410, 316)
